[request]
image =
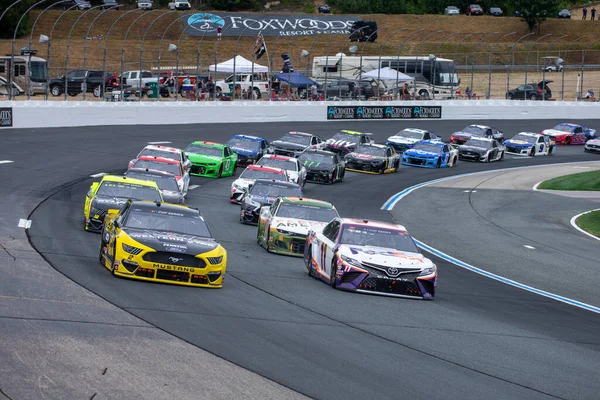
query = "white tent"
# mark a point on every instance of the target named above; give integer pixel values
(241, 65)
(387, 74)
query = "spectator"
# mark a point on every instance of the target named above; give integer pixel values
(468, 93)
(405, 92)
(313, 92)
(219, 32)
(171, 84)
(584, 13)
(210, 87)
(590, 95)
(593, 14)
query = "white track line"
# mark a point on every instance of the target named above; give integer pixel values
(574, 219)
(5, 162)
(98, 175)
(159, 142)
(24, 223)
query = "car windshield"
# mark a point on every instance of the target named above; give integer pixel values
(371, 150)
(261, 174)
(206, 150)
(525, 138)
(429, 147)
(474, 142)
(346, 136)
(244, 143)
(315, 159)
(171, 168)
(306, 212)
(410, 134)
(167, 221)
(564, 128)
(158, 153)
(295, 138)
(164, 182)
(128, 190)
(273, 189)
(361, 235)
(475, 130)
(289, 165)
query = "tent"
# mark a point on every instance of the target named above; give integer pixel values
(241, 65)
(387, 74)
(297, 79)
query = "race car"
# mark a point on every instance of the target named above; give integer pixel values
(431, 154)
(406, 138)
(372, 159)
(369, 257)
(283, 227)
(322, 166)
(293, 143)
(570, 133)
(481, 149)
(248, 148)
(249, 175)
(530, 144)
(263, 193)
(346, 141)
(112, 192)
(168, 165)
(167, 183)
(295, 171)
(212, 160)
(160, 242)
(469, 131)
(592, 146)
(153, 150)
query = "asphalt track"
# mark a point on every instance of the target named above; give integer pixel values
(477, 339)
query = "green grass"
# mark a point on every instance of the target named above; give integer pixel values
(590, 223)
(581, 181)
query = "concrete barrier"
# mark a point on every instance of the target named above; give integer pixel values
(42, 114)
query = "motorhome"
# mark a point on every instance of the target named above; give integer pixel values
(27, 72)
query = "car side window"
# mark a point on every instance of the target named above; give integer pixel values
(541, 139)
(313, 140)
(446, 148)
(146, 74)
(333, 231)
(227, 152)
(328, 229)
(263, 144)
(488, 132)
(578, 130)
(388, 152)
(426, 136)
(494, 144)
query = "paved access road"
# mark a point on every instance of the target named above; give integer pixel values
(477, 339)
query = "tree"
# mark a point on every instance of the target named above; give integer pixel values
(534, 13)
(12, 16)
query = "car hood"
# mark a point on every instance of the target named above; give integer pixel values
(421, 153)
(243, 182)
(172, 242)
(595, 142)
(170, 196)
(263, 200)
(298, 226)
(340, 144)
(195, 157)
(385, 257)
(364, 157)
(463, 134)
(472, 148)
(318, 167)
(108, 203)
(244, 152)
(287, 145)
(403, 140)
(554, 132)
(518, 143)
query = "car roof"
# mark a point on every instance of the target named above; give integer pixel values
(263, 168)
(149, 171)
(569, 124)
(278, 157)
(532, 134)
(307, 201)
(208, 144)
(482, 138)
(375, 224)
(352, 132)
(162, 148)
(416, 130)
(151, 205)
(159, 159)
(481, 126)
(376, 145)
(318, 151)
(278, 183)
(300, 133)
(241, 136)
(435, 142)
(133, 181)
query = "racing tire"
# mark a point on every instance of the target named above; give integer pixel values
(220, 171)
(550, 151)
(502, 156)
(97, 92)
(101, 254)
(454, 160)
(332, 273)
(568, 141)
(532, 153)
(333, 178)
(55, 91)
(489, 158)
(438, 164)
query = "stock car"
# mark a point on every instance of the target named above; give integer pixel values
(481, 149)
(369, 257)
(431, 154)
(167, 183)
(168, 165)
(160, 242)
(406, 138)
(592, 146)
(112, 192)
(293, 143)
(566, 133)
(263, 192)
(346, 141)
(372, 159)
(209, 159)
(295, 171)
(322, 166)
(248, 148)
(530, 144)
(469, 131)
(153, 150)
(249, 175)
(283, 227)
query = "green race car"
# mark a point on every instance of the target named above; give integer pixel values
(283, 226)
(212, 160)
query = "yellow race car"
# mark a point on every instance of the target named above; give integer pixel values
(111, 193)
(162, 242)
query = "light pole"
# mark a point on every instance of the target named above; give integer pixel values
(400, 51)
(234, 61)
(362, 52)
(344, 47)
(381, 51)
(583, 62)
(527, 61)
(562, 96)
(490, 56)
(510, 59)
(327, 64)
(426, 93)
(546, 52)
(473, 56)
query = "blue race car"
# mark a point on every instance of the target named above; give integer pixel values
(430, 154)
(248, 148)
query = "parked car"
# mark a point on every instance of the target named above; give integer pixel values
(553, 64)
(474, 9)
(565, 14)
(77, 5)
(180, 5)
(138, 79)
(496, 11)
(110, 4)
(78, 80)
(517, 13)
(144, 4)
(259, 84)
(363, 31)
(324, 9)
(451, 10)
(4, 91)
(531, 91)
(348, 88)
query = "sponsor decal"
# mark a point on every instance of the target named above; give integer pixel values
(6, 117)
(373, 252)
(173, 268)
(384, 112)
(236, 24)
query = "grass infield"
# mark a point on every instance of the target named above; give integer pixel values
(581, 181)
(590, 223)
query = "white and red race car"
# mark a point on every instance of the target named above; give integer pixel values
(153, 150)
(567, 133)
(240, 186)
(295, 171)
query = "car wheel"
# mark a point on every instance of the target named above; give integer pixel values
(220, 173)
(532, 153)
(333, 178)
(502, 156)
(510, 96)
(219, 90)
(55, 91)
(550, 150)
(489, 158)
(97, 91)
(332, 273)
(101, 254)
(438, 164)
(424, 94)
(568, 141)
(533, 97)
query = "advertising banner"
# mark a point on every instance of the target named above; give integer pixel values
(236, 24)
(384, 112)
(6, 117)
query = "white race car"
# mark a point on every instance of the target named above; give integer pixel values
(249, 175)
(173, 153)
(296, 172)
(406, 138)
(592, 145)
(370, 257)
(530, 144)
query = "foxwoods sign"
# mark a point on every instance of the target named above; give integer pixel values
(268, 24)
(6, 117)
(384, 112)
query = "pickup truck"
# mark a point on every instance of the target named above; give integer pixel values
(79, 80)
(259, 85)
(180, 5)
(138, 79)
(474, 9)
(144, 4)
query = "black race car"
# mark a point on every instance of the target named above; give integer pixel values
(481, 149)
(373, 158)
(322, 166)
(263, 193)
(167, 183)
(293, 143)
(470, 131)
(345, 141)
